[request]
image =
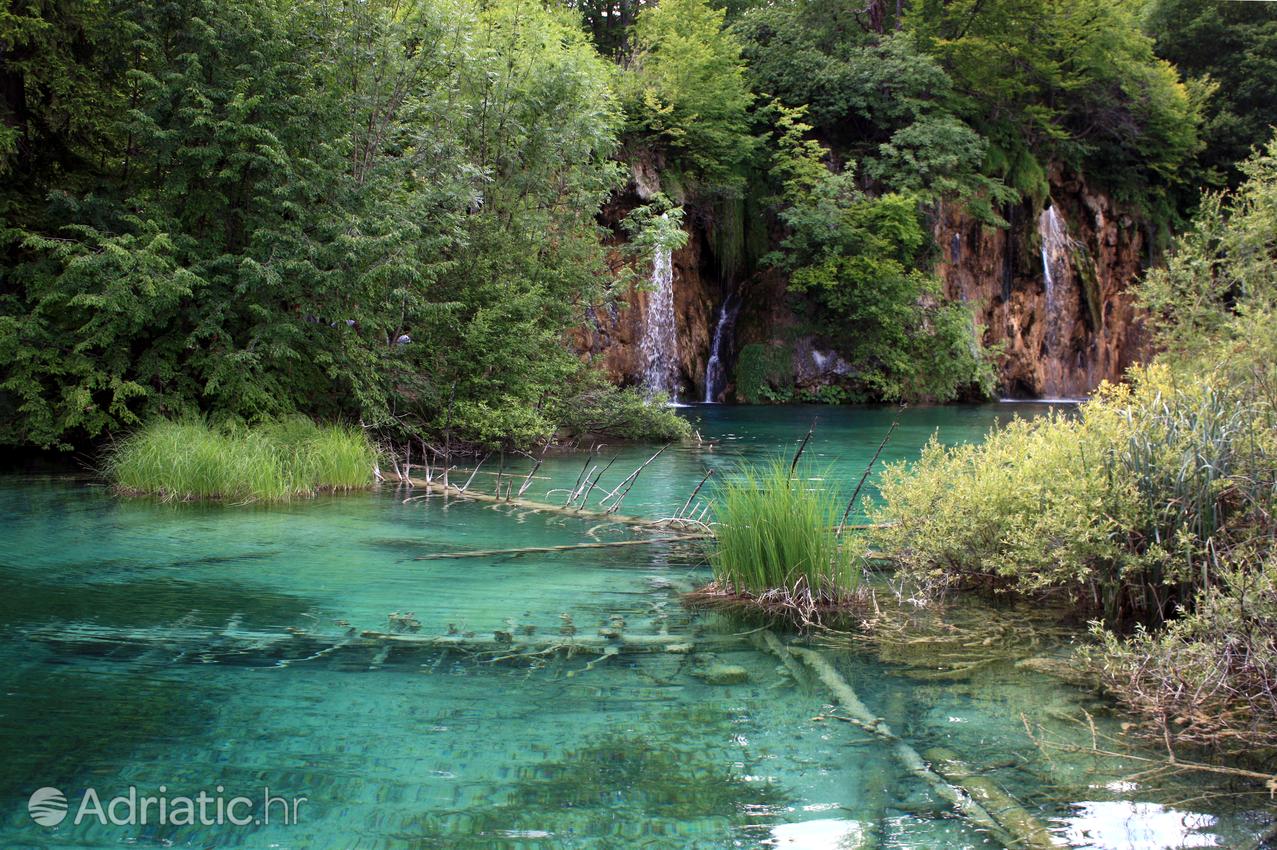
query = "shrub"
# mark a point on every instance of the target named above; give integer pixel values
(1114, 506)
(627, 414)
(275, 461)
(1155, 503)
(1209, 677)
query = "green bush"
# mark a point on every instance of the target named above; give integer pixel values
(626, 414)
(774, 531)
(1155, 503)
(191, 460)
(1115, 506)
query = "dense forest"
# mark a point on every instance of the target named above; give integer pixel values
(393, 214)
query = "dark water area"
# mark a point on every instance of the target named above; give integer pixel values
(216, 649)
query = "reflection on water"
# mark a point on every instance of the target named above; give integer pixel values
(196, 646)
(819, 834)
(1126, 825)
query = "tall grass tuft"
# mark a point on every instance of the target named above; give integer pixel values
(190, 460)
(774, 533)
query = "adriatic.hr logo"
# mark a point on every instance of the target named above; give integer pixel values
(49, 807)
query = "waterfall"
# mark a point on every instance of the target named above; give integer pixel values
(660, 337)
(1055, 252)
(714, 368)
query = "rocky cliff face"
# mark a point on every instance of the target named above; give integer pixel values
(1055, 290)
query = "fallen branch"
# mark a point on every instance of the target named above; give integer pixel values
(628, 483)
(202, 645)
(1171, 763)
(801, 448)
(572, 493)
(466, 486)
(593, 485)
(569, 547)
(1005, 808)
(683, 510)
(439, 488)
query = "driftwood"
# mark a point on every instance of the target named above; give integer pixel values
(568, 547)
(1008, 811)
(628, 483)
(593, 484)
(439, 489)
(500, 641)
(576, 487)
(683, 510)
(466, 486)
(960, 798)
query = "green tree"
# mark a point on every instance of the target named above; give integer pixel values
(1232, 49)
(1065, 81)
(374, 211)
(875, 99)
(859, 260)
(685, 92)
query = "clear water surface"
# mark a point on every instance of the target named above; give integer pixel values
(197, 646)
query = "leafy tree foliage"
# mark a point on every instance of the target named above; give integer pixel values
(386, 211)
(878, 100)
(1215, 301)
(373, 211)
(1231, 49)
(1066, 81)
(859, 259)
(685, 92)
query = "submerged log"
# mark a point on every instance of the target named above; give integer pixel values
(963, 801)
(999, 803)
(196, 644)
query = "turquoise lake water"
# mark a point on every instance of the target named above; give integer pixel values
(196, 646)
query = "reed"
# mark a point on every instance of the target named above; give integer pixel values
(775, 532)
(191, 460)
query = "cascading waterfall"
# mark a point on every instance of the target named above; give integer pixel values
(714, 372)
(1060, 362)
(1055, 254)
(660, 337)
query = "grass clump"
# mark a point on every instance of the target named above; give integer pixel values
(191, 460)
(774, 546)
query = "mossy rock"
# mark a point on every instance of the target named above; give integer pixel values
(723, 674)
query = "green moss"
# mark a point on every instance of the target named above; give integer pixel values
(1090, 284)
(764, 373)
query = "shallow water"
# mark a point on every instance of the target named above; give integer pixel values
(192, 647)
